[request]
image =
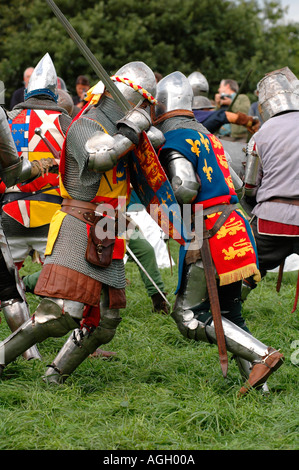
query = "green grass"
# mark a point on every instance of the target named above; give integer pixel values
(161, 391)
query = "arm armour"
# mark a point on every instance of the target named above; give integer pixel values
(182, 176)
(104, 150)
(252, 171)
(12, 169)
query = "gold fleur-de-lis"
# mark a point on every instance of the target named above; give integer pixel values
(195, 144)
(205, 141)
(208, 170)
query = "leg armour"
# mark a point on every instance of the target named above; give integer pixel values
(199, 326)
(48, 320)
(16, 313)
(242, 344)
(82, 343)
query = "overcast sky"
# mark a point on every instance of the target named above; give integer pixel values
(293, 13)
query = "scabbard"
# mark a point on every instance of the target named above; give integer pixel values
(214, 301)
(280, 275)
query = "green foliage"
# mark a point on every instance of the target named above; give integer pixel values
(222, 38)
(161, 391)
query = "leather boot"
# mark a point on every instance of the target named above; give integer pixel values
(262, 370)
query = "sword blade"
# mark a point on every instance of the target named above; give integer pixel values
(146, 273)
(91, 59)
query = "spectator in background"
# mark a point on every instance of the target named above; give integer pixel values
(82, 86)
(18, 95)
(227, 90)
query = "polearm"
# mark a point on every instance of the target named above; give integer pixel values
(146, 273)
(91, 59)
(240, 90)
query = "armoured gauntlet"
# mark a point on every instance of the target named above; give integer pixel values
(104, 150)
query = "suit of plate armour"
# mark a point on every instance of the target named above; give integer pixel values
(56, 316)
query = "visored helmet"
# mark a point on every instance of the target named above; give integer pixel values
(173, 92)
(136, 81)
(278, 91)
(43, 80)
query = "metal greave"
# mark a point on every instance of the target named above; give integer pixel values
(16, 312)
(200, 327)
(49, 320)
(238, 341)
(80, 344)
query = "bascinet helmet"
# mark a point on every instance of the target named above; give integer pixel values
(202, 102)
(61, 84)
(278, 91)
(199, 83)
(43, 80)
(136, 81)
(173, 92)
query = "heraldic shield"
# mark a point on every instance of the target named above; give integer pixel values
(154, 190)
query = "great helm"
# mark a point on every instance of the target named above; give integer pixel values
(173, 92)
(136, 81)
(278, 91)
(43, 80)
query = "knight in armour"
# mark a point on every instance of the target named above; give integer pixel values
(13, 171)
(27, 209)
(77, 294)
(272, 173)
(205, 112)
(196, 165)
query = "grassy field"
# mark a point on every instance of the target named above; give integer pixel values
(161, 391)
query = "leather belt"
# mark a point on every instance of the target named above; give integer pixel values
(284, 200)
(225, 209)
(40, 195)
(82, 210)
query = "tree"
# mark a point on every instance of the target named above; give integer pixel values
(222, 39)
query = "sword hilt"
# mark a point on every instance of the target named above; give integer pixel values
(52, 149)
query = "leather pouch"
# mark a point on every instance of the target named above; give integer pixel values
(99, 251)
